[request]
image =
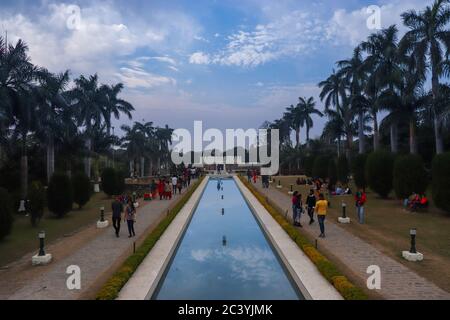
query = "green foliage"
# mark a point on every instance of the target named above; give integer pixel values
(82, 189)
(441, 181)
(320, 169)
(109, 181)
(342, 169)
(409, 176)
(60, 195)
(120, 182)
(379, 172)
(308, 165)
(359, 170)
(332, 172)
(6, 213)
(36, 196)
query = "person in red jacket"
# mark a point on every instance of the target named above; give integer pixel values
(161, 189)
(360, 199)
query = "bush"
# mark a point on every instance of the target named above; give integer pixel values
(82, 189)
(36, 196)
(309, 165)
(342, 169)
(359, 170)
(332, 172)
(441, 181)
(409, 176)
(379, 172)
(6, 213)
(60, 195)
(109, 181)
(120, 182)
(320, 169)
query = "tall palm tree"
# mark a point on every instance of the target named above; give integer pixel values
(352, 70)
(147, 130)
(115, 105)
(17, 75)
(51, 105)
(294, 118)
(163, 137)
(428, 40)
(307, 109)
(334, 127)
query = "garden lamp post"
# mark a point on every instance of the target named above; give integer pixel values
(412, 254)
(344, 210)
(102, 214)
(41, 236)
(42, 258)
(413, 233)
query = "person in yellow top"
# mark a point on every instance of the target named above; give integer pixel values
(321, 210)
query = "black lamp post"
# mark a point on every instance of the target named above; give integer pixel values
(279, 183)
(41, 236)
(344, 210)
(292, 188)
(102, 214)
(413, 233)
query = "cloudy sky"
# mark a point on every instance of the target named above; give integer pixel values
(230, 63)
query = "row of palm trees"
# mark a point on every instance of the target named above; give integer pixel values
(38, 107)
(389, 74)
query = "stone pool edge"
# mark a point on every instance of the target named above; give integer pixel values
(310, 281)
(145, 280)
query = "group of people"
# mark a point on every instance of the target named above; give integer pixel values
(314, 204)
(252, 175)
(416, 201)
(124, 206)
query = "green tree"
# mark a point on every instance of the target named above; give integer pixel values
(342, 169)
(409, 176)
(6, 213)
(441, 181)
(379, 172)
(82, 189)
(36, 196)
(60, 195)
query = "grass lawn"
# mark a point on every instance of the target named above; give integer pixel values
(387, 228)
(23, 238)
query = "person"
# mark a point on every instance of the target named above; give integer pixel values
(117, 210)
(311, 204)
(180, 184)
(299, 210)
(153, 189)
(249, 175)
(174, 184)
(360, 198)
(295, 208)
(167, 191)
(161, 187)
(321, 210)
(130, 216)
(255, 176)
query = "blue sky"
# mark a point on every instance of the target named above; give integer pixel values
(232, 64)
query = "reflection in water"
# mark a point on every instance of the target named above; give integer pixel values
(242, 269)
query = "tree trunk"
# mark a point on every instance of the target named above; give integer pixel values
(394, 138)
(50, 158)
(361, 133)
(24, 171)
(339, 146)
(435, 89)
(438, 135)
(297, 137)
(412, 136)
(88, 160)
(142, 167)
(131, 169)
(376, 134)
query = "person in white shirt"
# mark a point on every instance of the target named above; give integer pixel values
(174, 184)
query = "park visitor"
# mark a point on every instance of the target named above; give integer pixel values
(321, 210)
(360, 199)
(161, 187)
(130, 217)
(174, 184)
(311, 204)
(117, 210)
(299, 210)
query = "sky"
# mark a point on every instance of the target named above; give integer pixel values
(231, 63)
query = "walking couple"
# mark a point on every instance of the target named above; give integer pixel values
(129, 217)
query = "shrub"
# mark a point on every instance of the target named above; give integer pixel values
(359, 170)
(441, 181)
(342, 169)
(36, 196)
(309, 165)
(332, 172)
(82, 189)
(320, 169)
(109, 181)
(6, 213)
(379, 172)
(60, 195)
(120, 182)
(409, 176)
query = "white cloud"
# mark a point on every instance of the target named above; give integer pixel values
(199, 58)
(138, 78)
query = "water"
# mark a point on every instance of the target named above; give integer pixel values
(225, 256)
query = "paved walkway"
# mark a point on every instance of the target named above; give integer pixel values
(97, 259)
(397, 281)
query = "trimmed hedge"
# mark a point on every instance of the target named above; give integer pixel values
(379, 172)
(409, 176)
(36, 196)
(109, 181)
(60, 195)
(6, 213)
(308, 165)
(342, 169)
(441, 181)
(359, 170)
(325, 267)
(82, 189)
(320, 169)
(332, 172)
(111, 289)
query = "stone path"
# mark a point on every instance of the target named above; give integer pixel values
(397, 281)
(97, 259)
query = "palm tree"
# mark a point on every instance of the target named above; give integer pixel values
(51, 105)
(307, 109)
(383, 61)
(115, 105)
(353, 72)
(284, 129)
(90, 103)
(17, 74)
(134, 143)
(163, 137)
(334, 127)
(294, 118)
(428, 40)
(147, 130)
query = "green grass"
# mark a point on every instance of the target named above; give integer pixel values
(387, 227)
(23, 238)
